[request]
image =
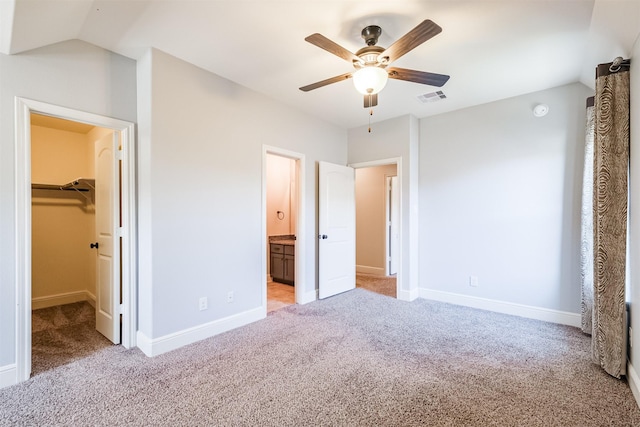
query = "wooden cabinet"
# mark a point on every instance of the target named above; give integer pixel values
(283, 263)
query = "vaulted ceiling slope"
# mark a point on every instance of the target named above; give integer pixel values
(491, 49)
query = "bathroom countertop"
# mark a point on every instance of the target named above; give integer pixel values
(287, 242)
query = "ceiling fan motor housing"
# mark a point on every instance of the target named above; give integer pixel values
(369, 56)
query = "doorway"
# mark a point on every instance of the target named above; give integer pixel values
(378, 225)
(123, 231)
(283, 228)
(63, 275)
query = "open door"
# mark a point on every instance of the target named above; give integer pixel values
(337, 227)
(108, 241)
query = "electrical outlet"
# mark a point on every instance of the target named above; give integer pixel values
(473, 281)
(203, 304)
(230, 296)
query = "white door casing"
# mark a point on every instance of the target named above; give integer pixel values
(337, 228)
(107, 225)
(23, 109)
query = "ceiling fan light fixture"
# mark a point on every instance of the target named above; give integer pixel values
(370, 80)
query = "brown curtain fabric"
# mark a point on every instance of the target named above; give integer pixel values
(610, 175)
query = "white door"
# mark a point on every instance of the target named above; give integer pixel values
(107, 223)
(394, 220)
(337, 227)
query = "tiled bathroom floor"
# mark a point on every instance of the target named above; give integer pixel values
(279, 295)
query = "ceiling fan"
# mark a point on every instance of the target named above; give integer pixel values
(371, 63)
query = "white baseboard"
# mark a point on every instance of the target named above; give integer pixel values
(528, 311)
(8, 375)
(61, 299)
(411, 295)
(377, 271)
(153, 347)
(634, 382)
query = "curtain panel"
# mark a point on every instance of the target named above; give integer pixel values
(610, 195)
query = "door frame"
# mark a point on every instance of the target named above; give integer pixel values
(398, 162)
(388, 208)
(301, 296)
(23, 109)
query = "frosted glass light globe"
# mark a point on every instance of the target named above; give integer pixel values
(370, 80)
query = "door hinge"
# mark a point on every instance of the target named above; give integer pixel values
(120, 309)
(119, 154)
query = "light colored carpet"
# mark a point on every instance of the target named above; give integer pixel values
(384, 285)
(356, 359)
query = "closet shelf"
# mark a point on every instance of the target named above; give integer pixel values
(78, 184)
(81, 185)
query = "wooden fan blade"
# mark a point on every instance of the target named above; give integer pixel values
(335, 79)
(370, 100)
(414, 38)
(332, 47)
(431, 79)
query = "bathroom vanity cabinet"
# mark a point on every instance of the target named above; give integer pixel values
(283, 262)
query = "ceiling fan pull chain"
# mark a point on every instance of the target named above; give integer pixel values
(370, 110)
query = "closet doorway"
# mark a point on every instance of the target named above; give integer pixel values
(76, 230)
(72, 300)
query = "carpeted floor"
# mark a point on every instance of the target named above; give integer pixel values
(355, 359)
(62, 334)
(384, 285)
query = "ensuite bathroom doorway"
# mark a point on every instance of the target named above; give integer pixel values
(281, 212)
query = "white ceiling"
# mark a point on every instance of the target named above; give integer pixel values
(492, 49)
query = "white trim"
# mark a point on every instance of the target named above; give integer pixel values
(307, 297)
(157, 346)
(63, 298)
(528, 311)
(401, 294)
(411, 295)
(23, 109)
(300, 286)
(367, 269)
(372, 163)
(8, 375)
(634, 382)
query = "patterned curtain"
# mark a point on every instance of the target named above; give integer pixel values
(610, 194)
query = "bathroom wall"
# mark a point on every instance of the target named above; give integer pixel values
(281, 195)
(63, 222)
(371, 218)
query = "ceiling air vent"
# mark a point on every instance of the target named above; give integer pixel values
(432, 97)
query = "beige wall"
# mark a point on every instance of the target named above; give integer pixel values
(63, 225)
(370, 218)
(280, 195)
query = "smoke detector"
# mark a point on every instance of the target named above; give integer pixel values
(540, 110)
